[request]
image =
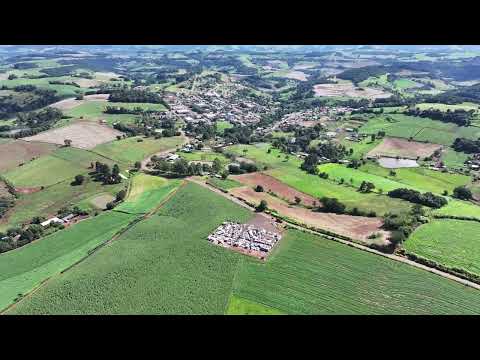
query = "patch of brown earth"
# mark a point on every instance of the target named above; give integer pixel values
(355, 227)
(403, 148)
(273, 185)
(14, 153)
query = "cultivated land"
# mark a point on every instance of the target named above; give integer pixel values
(25, 268)
(84, 135)
(156, 267)
(354, 227)
(453, 243)
(162, 275)
(348, 90)
(403, 148)
(128, 151)
(225, 185)
(14, 153)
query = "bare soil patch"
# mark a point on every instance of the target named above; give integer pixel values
(14, 153)
(265, 222)
(348, 89)
(84, 135)
(86, 83)
(4, 76)
(273, 185)
(403, 148)
(97, 97)
(355, 227)
(71, 103)
(28, 190)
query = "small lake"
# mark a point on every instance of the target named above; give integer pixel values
(394, 163)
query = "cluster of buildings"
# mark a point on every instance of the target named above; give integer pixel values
(244, 236)
(64, 220)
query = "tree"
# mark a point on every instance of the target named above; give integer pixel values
(79, 179)
(12, 77)
(297, 200)
(67, 142)
(259, 188)
(262, 206)
(366, 187)
(463, 193)
(110, 205)
(332, 205)
(138, 165)
(373, 137)
(120, 195)
(217, 165)
(119, 137)
(225, 175)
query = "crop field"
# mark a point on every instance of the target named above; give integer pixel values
(360, 149)
(403, 148)
(307, 274)
(239, 306)
(49, 200)
(147, 192)
(156, 267)
(405, 84)
(14, 153)
(83, 134)
(444, 107)
(420, 129)
(226, 184)
(206, 156)
(459, 208)
(289, 172)
(453, 243)
(64, 163)
(128, 151)
(21, 270)
(419, 178)
(69, 104)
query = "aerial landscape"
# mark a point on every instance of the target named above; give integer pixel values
(239, 180)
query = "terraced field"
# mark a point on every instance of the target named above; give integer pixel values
(453, 243)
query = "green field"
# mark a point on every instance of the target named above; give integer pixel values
(419, 178)
(453, 243)
(290, 173)
(405, 84)
(128, 151)
(162, 265)
(420, 129)
(49, 200)
(23, 269)
(310, 275)
(226, 184)
(147, 192)
(454, 159)
(459, 208)
(239, 306)
(444, 107)
(361, 148)
(203, 156)
(63, 164)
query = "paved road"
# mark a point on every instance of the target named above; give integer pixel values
(349, 243)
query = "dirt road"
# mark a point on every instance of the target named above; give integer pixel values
(349, 243)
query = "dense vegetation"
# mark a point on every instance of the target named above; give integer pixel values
(427, 199)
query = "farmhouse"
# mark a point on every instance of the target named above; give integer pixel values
(52, 220)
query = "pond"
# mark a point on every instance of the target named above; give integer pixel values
(394, 163)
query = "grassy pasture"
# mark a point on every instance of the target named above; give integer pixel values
(310, 275)
(239, 306)
(146, 193)
(204, 156)
(222, 125)
(162, 265)
(459, 208)
(453, 243)
(64, 163)
(23, 269)
(454, 159)
(128, 151)
(421, 179)
(361, 148)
